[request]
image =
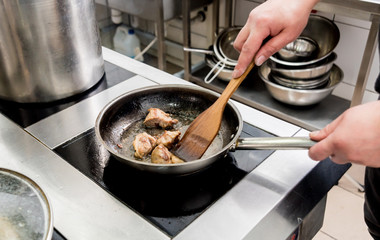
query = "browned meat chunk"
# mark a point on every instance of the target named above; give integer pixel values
(157, 117)
(176, 159)
(169, 138)
(161, 155)
(143, 144)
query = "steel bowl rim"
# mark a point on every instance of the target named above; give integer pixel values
(267, 81)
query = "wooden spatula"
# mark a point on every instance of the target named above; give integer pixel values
(205, 127)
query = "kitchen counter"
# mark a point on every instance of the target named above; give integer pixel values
(282, 191)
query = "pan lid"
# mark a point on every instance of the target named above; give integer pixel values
(25, 212)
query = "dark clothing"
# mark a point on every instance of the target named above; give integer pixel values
(372, 191)
(377, 84)
(372, 201)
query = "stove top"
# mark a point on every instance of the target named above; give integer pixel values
(169, 202)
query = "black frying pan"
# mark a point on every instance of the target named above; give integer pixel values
(121, 120)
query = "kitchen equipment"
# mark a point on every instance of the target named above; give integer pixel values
(301, 72)
(205, 127)
(321, 30)
(222, 47)
(223, 72)
(49, 49)
(302, 48)
(296, 96)
(25, 211)
(300, 84)
(113, 122)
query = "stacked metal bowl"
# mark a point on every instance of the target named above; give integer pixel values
(224, 58)
(303, 72)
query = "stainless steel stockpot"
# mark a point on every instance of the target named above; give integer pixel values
(49, 49)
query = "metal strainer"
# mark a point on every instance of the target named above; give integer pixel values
(223, 46)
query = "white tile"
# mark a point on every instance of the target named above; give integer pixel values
(353, 21)
(350, 50)
(344, 217)
(355, 173)
(322, 236)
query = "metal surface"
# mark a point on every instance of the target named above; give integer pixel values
(300, 49)
(223, 46)
(326, 35)
(275, 143)
(186, 38)
(160, 32)
(79, 206)
(304, 73)
(366, 63)
(25, 211)
(300, 97)
(301, 84)
(49, 50)
(146, 10)
(221, 70)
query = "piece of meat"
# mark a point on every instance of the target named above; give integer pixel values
(176, 159)
(162, 155)
(156, 117)
(169, 138)
(143, 144)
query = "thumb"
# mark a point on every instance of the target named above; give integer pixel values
(326, 131)
(324, 148)
(321, 150)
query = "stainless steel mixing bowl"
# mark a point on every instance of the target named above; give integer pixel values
(300, 97)
(300, 84)
(301, 49)
(312, 71)
(324, 32)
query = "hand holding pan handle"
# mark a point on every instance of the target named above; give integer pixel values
(275, 143)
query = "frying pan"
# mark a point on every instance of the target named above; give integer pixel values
(121, 120)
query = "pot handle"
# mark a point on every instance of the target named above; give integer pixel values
(222, 64)
(275, 143)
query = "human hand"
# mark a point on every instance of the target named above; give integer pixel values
(353, 137)
(281, 20)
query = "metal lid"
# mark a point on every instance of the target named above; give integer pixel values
(25, 212)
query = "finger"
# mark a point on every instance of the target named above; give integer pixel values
(248, 51)
(241, 38)
(326, 131)
(272, 46)
(322, 149)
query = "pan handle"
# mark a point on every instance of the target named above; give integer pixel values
(275, 143)
(198, 50)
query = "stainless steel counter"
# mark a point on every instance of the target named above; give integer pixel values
(280, 192)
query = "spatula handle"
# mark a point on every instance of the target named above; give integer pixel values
(234, 84)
